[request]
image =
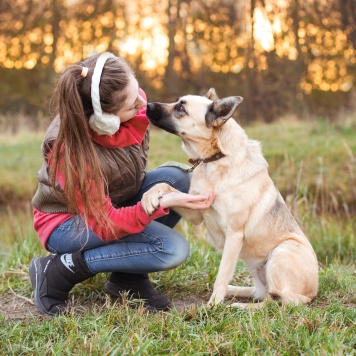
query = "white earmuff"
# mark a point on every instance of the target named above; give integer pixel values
(101, 123)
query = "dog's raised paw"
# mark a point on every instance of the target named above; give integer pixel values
(151, 199)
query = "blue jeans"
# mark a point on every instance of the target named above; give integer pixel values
(157, 248)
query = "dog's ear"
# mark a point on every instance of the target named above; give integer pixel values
(211, 94)
(221, 110)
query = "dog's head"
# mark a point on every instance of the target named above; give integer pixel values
(193, 117)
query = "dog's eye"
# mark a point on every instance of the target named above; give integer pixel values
(180, 107)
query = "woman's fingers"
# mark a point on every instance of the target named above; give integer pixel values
(184, 200)
(204, 203)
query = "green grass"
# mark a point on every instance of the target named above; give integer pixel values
(312, 159)
(312, 163)
(20, 158)
(100, 327)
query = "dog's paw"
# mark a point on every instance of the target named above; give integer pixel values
(150, 199)
(216, 299)
(239, 305)
(247, 306)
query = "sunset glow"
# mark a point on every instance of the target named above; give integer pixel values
(263, 30)
(216, 45)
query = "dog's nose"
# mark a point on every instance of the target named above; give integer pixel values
(150, 106)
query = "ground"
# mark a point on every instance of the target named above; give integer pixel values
(16, 307)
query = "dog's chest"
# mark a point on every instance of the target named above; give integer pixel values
(201, 186)
(204, 181)
(214, 216)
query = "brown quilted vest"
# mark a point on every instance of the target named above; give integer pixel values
(125, 169)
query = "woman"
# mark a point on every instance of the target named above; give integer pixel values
(87, 208)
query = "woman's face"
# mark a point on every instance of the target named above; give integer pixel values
(133, 103)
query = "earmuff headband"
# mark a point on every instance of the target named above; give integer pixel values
(101, 123)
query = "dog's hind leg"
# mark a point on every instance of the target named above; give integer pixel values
(288, 296)
(257, 291)
(243, 292)
(248, 305)
(291, 274)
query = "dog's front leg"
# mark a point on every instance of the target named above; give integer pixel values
(193, 216)
(230, 255)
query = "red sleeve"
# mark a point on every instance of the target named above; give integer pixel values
(126, 220)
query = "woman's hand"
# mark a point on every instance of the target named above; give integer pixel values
(189, 201)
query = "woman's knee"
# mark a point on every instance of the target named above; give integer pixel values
(176, 252)
(183, 181)
(179, 179)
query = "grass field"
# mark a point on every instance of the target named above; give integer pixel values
(314, 166)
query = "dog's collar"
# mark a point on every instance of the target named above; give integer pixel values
(196, 162)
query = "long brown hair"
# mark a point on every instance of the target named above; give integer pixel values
(73, 152)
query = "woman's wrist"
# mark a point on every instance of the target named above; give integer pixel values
(165, 201)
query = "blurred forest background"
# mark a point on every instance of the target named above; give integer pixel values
(283, 56)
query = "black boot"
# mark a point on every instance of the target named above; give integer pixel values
(52, 277)
(138, 286)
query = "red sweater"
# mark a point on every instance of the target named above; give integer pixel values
(128, 220)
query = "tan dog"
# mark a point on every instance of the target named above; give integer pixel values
(249, 219)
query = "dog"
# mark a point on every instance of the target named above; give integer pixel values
(248, 219)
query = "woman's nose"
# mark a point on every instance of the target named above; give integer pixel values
(142, 101)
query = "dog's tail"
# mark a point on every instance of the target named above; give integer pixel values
(287, 296)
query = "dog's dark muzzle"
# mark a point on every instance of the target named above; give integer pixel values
(159, 117)
(154, 111)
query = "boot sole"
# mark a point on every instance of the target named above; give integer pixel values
(36, 275)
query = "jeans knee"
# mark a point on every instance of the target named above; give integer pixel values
(177, 253)
(182, 182)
